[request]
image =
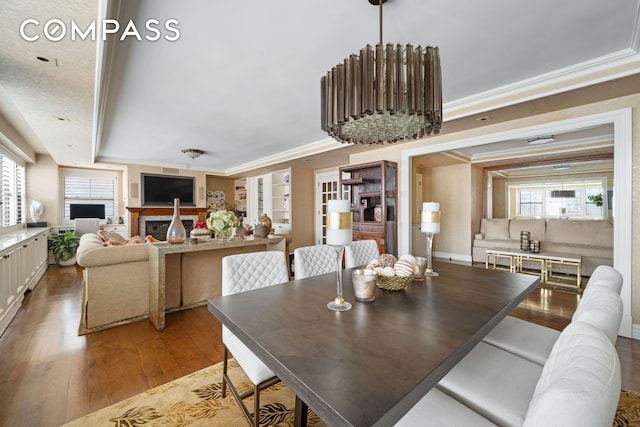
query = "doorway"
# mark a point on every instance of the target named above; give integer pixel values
(622, 124)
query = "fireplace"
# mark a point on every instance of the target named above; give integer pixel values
(158, 228)
(138, 218)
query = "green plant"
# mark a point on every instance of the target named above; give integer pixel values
(596, 200)
(63, 245)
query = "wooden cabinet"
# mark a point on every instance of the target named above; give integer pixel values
(23, 261)
(373, 193)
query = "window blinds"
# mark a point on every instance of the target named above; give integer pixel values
(90, 189)
(12, 191)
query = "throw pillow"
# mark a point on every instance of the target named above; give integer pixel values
(495, 229)
(110, 235)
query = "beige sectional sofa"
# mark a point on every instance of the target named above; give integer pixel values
(117, 280)
(591, 239)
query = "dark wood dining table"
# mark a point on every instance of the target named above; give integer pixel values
(369, 365)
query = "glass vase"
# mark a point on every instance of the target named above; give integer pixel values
(224, 234)
(176, 233)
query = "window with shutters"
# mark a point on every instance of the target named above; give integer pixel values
(91, 187)
(12, 191)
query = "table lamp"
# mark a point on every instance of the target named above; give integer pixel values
(339, 234)
(430, 225)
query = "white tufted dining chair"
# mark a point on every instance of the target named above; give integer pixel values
(314, 260)
(241, 273)
(360, 252)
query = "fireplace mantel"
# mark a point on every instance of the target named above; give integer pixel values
(136, 213)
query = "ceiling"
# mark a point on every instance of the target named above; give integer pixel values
(241, 82)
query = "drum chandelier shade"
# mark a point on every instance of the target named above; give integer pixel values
(384, 95)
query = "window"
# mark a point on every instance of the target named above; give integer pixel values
(530, 202)
(12, 191)
(89, 186)
(536, 200)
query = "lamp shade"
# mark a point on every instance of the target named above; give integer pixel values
(339, 222)
(430, 222)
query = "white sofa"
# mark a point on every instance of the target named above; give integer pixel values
(116, 282)
(577, 385)
(591, 239)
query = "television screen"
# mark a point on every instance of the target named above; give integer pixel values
(85, 210)
(160, 190)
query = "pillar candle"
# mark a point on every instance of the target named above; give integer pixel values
(430, 217)
(339, 222)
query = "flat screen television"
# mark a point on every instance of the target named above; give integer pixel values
(160, 190)
(86, 210)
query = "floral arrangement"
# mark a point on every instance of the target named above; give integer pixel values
(200, 223)
(222, 220)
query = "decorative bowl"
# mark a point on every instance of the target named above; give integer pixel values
(394, 283)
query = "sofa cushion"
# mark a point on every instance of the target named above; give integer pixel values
(438, 409)
(602, 308)
(580, 232)
(576, 249)
(525, 339)
(536, 228)
(497, 244)
(484, 381)
(91, 252)
(580, 383)
(605, 276)
(495, 228)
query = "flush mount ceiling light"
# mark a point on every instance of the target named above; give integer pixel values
(541, 140)
(193, 153)
(386, 94)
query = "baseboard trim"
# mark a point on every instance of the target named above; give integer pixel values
(635, 331)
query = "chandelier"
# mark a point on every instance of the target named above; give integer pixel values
(384, 95)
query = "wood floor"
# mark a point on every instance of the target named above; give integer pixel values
(49, 375)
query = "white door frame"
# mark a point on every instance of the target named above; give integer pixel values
(321, 177)
(622, 209)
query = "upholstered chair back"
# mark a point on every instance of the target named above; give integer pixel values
(244, 272)
(360, 252)
(311, 261)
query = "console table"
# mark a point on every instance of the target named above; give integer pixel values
(157, 264)
(547, 261)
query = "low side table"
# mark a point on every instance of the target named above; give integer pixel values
(535, 257)
(500, 254)
(570, 260)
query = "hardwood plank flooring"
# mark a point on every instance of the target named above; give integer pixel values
(49, 375)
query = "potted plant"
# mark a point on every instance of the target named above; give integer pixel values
(64, 246)
(596, 200)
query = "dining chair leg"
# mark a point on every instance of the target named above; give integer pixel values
(256, 406)
(224, 372)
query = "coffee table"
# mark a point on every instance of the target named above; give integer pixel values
(546, 260)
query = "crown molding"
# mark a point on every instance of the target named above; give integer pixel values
(606, 68)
